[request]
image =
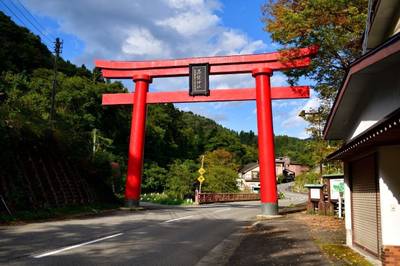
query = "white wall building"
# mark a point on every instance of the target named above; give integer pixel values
(249, 177)
(366, 115)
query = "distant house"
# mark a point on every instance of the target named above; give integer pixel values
(298, 168)
(249, 177)
(366, 115)
(281, 164)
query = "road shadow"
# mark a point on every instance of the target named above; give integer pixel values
(278, 242)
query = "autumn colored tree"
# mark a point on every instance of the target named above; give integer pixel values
(336, 26)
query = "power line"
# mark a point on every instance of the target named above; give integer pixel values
(37, 22)
(12, 12)
(30, 22)
(48, 43)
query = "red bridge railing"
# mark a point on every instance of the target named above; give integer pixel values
(225, 197)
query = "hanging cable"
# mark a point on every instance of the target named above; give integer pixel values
(45, 41)
(35, 20)
(12, 12)
(29, 21)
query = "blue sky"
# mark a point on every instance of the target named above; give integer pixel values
(156, 29)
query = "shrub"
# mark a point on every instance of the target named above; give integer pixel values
(280, 178)
(305, 178)
(180, 179)
(165, 198)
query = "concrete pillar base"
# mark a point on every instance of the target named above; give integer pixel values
(261, 217)
(269, 209)
(130, 203)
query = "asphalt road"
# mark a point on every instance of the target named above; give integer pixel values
(154, 236)
(160, 236)
(291, 198)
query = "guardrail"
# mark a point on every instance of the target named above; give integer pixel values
(225, 197)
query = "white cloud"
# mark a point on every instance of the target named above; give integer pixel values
(141, 42)
(209, 110)
(278, 79)
(142, 29)
(231, 41)
(284, 103)
(312, 104)
(253, 46)
(219, 105)
(153, 29)
(184, 4)
(293, 120)
(190, 23)
(232, 81)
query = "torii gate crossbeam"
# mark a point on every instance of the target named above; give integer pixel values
(261, 66)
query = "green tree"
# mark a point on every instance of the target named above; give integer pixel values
(250, 155)
(221, 175)
(248, 138)
(154, 178)
(180, 178)
(174, 139)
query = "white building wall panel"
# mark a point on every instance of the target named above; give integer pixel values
(389, 183)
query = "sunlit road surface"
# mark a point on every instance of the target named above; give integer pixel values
(291, 198)
(157, 236)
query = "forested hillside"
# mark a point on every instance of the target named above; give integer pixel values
(22, 51)
(298, 150)
(175, 139)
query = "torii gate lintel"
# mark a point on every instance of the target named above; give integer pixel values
(261, 67)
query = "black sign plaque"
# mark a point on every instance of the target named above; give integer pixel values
(199, 79)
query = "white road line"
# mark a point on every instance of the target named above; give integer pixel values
(177, 219)
(74, 246)
(189, 216)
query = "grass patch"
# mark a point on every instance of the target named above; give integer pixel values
(59, 213)
(305, 178)
(343, 254)
(329, 235)
(281, 195)
(163, 198)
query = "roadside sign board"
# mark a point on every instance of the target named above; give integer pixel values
(337, 187)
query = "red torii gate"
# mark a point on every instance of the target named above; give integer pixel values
(260, 65)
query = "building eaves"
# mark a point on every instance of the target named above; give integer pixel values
(385, 132)
(385, 50)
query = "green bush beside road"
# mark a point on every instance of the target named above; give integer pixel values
(306, 178)
(164, 198)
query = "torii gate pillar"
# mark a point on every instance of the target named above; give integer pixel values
(260, 65)
(136, 143)
(266, 154)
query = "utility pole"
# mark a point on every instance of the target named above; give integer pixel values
(57, 51)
